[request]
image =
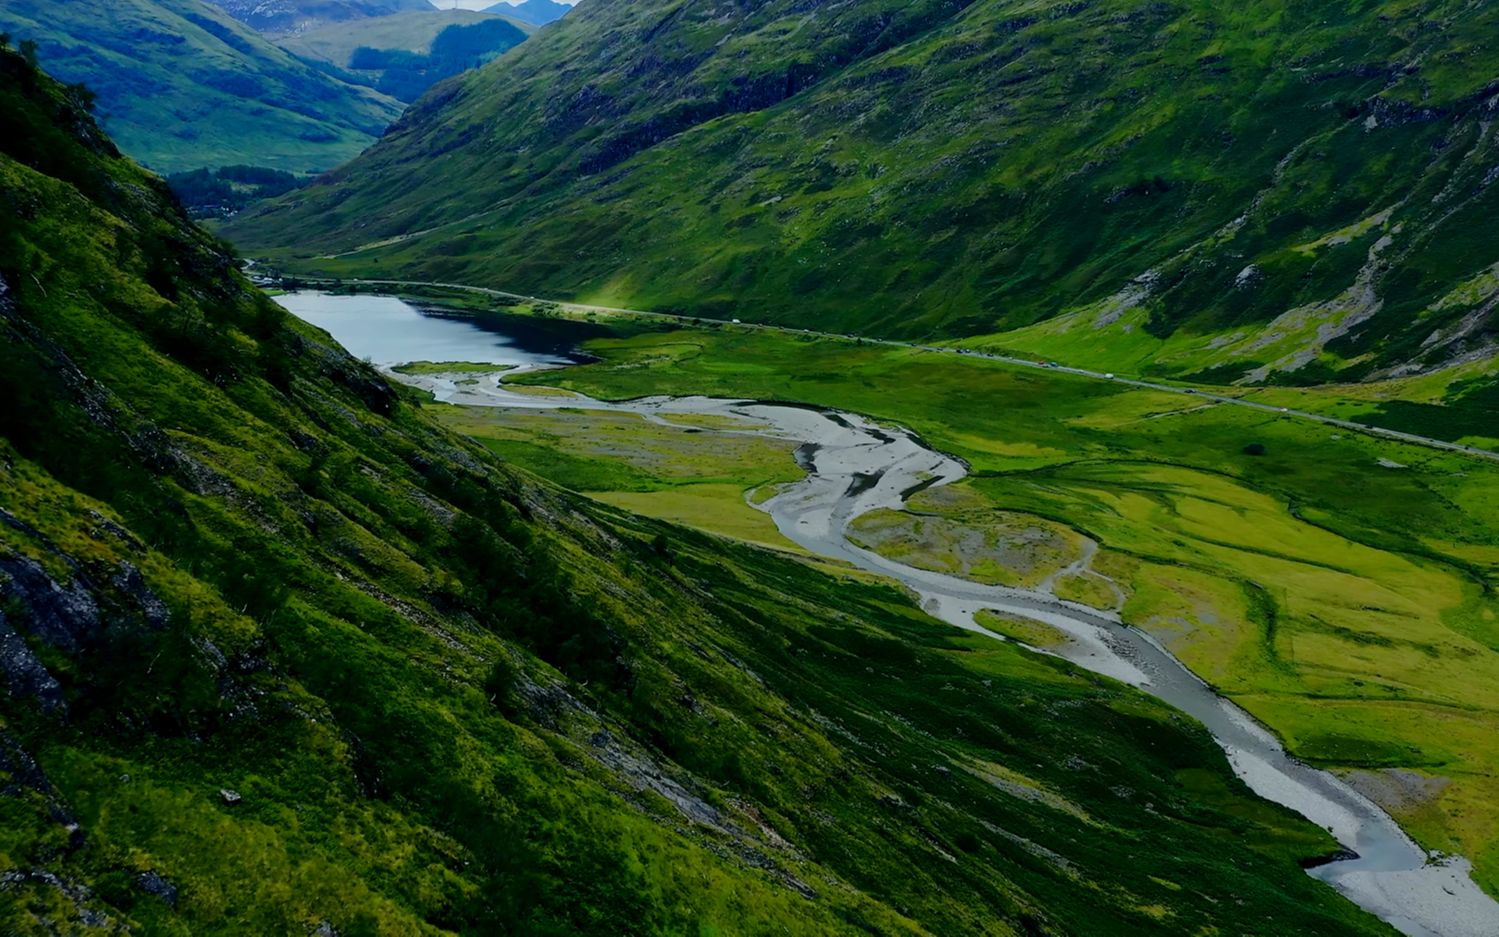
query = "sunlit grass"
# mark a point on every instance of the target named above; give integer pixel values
(1312, 574)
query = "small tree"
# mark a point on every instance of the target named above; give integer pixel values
(28, 51)
(83, 96)
(501, 682)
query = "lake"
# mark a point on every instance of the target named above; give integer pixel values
(389, 331)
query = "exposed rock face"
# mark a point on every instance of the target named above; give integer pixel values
(78, 901)
(70, 618)
(66, 618)
(129, 582)
(640, 772)
(63, 618)
(24, 675)
(153, 883)
(25, 775)
(21, 777)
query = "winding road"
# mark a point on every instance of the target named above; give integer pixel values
(1212, 396)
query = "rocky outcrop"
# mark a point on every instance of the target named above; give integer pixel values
(40, 609)
(65, 617)
(24, 674)
(156, 885)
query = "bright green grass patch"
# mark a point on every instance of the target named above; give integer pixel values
(717, 508)
(1088, 588)
(1025, 630)
(575, 472)
(667, 454)
(698, 471)
(450, 367)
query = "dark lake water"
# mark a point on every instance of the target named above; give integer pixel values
(390, 331)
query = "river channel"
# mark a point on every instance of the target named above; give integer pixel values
(855, 466)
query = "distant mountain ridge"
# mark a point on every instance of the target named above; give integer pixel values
(403, 54)
(412, 31)
(183, 86)
(295, 16)
(1251, 192)
(536, 12)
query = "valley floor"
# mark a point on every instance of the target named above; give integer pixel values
(1336, 584)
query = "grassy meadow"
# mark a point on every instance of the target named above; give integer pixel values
(1338, 586)
(691, 475)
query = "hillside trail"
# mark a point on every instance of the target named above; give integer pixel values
(1205, 395)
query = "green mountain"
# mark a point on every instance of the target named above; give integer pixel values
(296, 16)
(1262, 190)
(404, 54)
(407, 32)
(281, 656)
(182, 86)
(535, 12)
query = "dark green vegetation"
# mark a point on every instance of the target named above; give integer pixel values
(181, 86)
(294, 16)
(1261, 190)
(207, 193)
(1460, 403)
(280, 651)
(407, 75)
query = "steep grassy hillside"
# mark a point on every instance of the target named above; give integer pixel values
(1270, 190)
(282, 656)
(294, 16)
(181, 86)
